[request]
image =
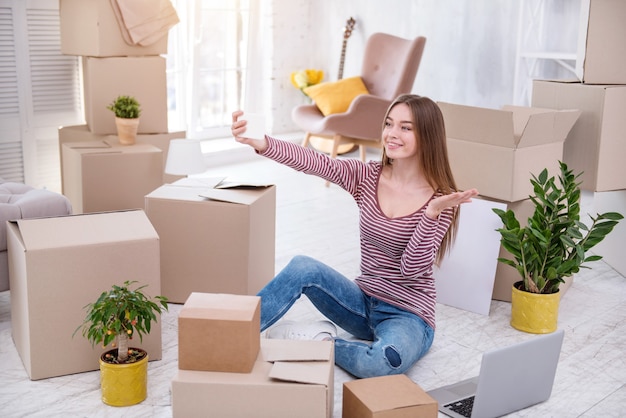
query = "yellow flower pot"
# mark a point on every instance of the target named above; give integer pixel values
(533, 312)
(124, 384)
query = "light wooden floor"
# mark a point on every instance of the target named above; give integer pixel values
(322, 222)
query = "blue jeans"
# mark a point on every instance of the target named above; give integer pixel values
(398, 338)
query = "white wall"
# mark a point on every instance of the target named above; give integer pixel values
(470, 54)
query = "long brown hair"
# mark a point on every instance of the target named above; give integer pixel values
(430, 132)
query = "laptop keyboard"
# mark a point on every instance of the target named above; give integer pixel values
(462, 407)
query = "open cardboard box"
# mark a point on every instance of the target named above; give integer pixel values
(290, 378)
(394, 396)
(57, 266)
(213, 240)
(496, 151)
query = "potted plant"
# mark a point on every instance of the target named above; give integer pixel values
(114, 318)
(552, 245)
(127, 111)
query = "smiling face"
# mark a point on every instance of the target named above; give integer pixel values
(399, 133)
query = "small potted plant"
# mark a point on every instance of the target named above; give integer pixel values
(114, 318)
(127, 111)
(552, 245)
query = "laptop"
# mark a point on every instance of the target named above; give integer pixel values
(511, 378)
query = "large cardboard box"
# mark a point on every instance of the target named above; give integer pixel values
(57, 266)
(497, 150)
(223, 244)
(394, 396)
(612, 247)
(596, 145)
(601, 47)
(101, 176)
(290, 378)
(219, 332)
(142, 77)
(506, 276)
(81, 133)
(89, 27)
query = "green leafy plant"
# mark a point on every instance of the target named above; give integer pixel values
(555, 241)
(120, 313)
(125, 107)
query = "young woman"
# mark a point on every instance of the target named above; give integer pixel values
(408, 206)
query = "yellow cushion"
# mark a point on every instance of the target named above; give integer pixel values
(336, 96)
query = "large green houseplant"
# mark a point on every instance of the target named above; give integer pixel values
(127, 111)
(555, 242)
(114, 318)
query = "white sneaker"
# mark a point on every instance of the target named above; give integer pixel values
(291, 330)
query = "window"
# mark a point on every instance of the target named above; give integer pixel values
(207, 65)
(40, 91)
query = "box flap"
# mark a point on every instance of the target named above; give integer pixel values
(476, 124)
(537, 126)
(238, 195)
(86, 229)
(87, 145)
(311, 372)
(296, 350)
(203, 182)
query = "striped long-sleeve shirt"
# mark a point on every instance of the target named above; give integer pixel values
(397, 254)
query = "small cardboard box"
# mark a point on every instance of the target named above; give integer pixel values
(506, 276)
(612, 247)
(219, 332)
(81, 133)
(57, 266)
(142, 77)
(496, 151)
(595, 146)
(90, 28)
(290, 378)
(601, 47)
(394, 396)
(211, 245)
(101, 176)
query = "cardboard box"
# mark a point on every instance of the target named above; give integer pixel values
(601, 47)
(496, 151)
(90, 28)
(394, 396)
(290, 378)
(219, 332)
(506, 276)
(595, 146)
(104, 79)
(57, 266)
(220, 245)
(612, 247)
(81, 133)
(101, 176)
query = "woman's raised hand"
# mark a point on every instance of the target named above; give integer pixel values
(436, 206)
(238, 128)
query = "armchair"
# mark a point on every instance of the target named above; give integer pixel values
(389, 69)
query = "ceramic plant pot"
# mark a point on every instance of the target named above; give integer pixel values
(533, 312)
(123, 384)
(127, 130)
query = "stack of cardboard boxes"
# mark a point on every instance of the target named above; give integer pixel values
(99, 174)
(227, 370)
(596, 146)
(496, 151)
